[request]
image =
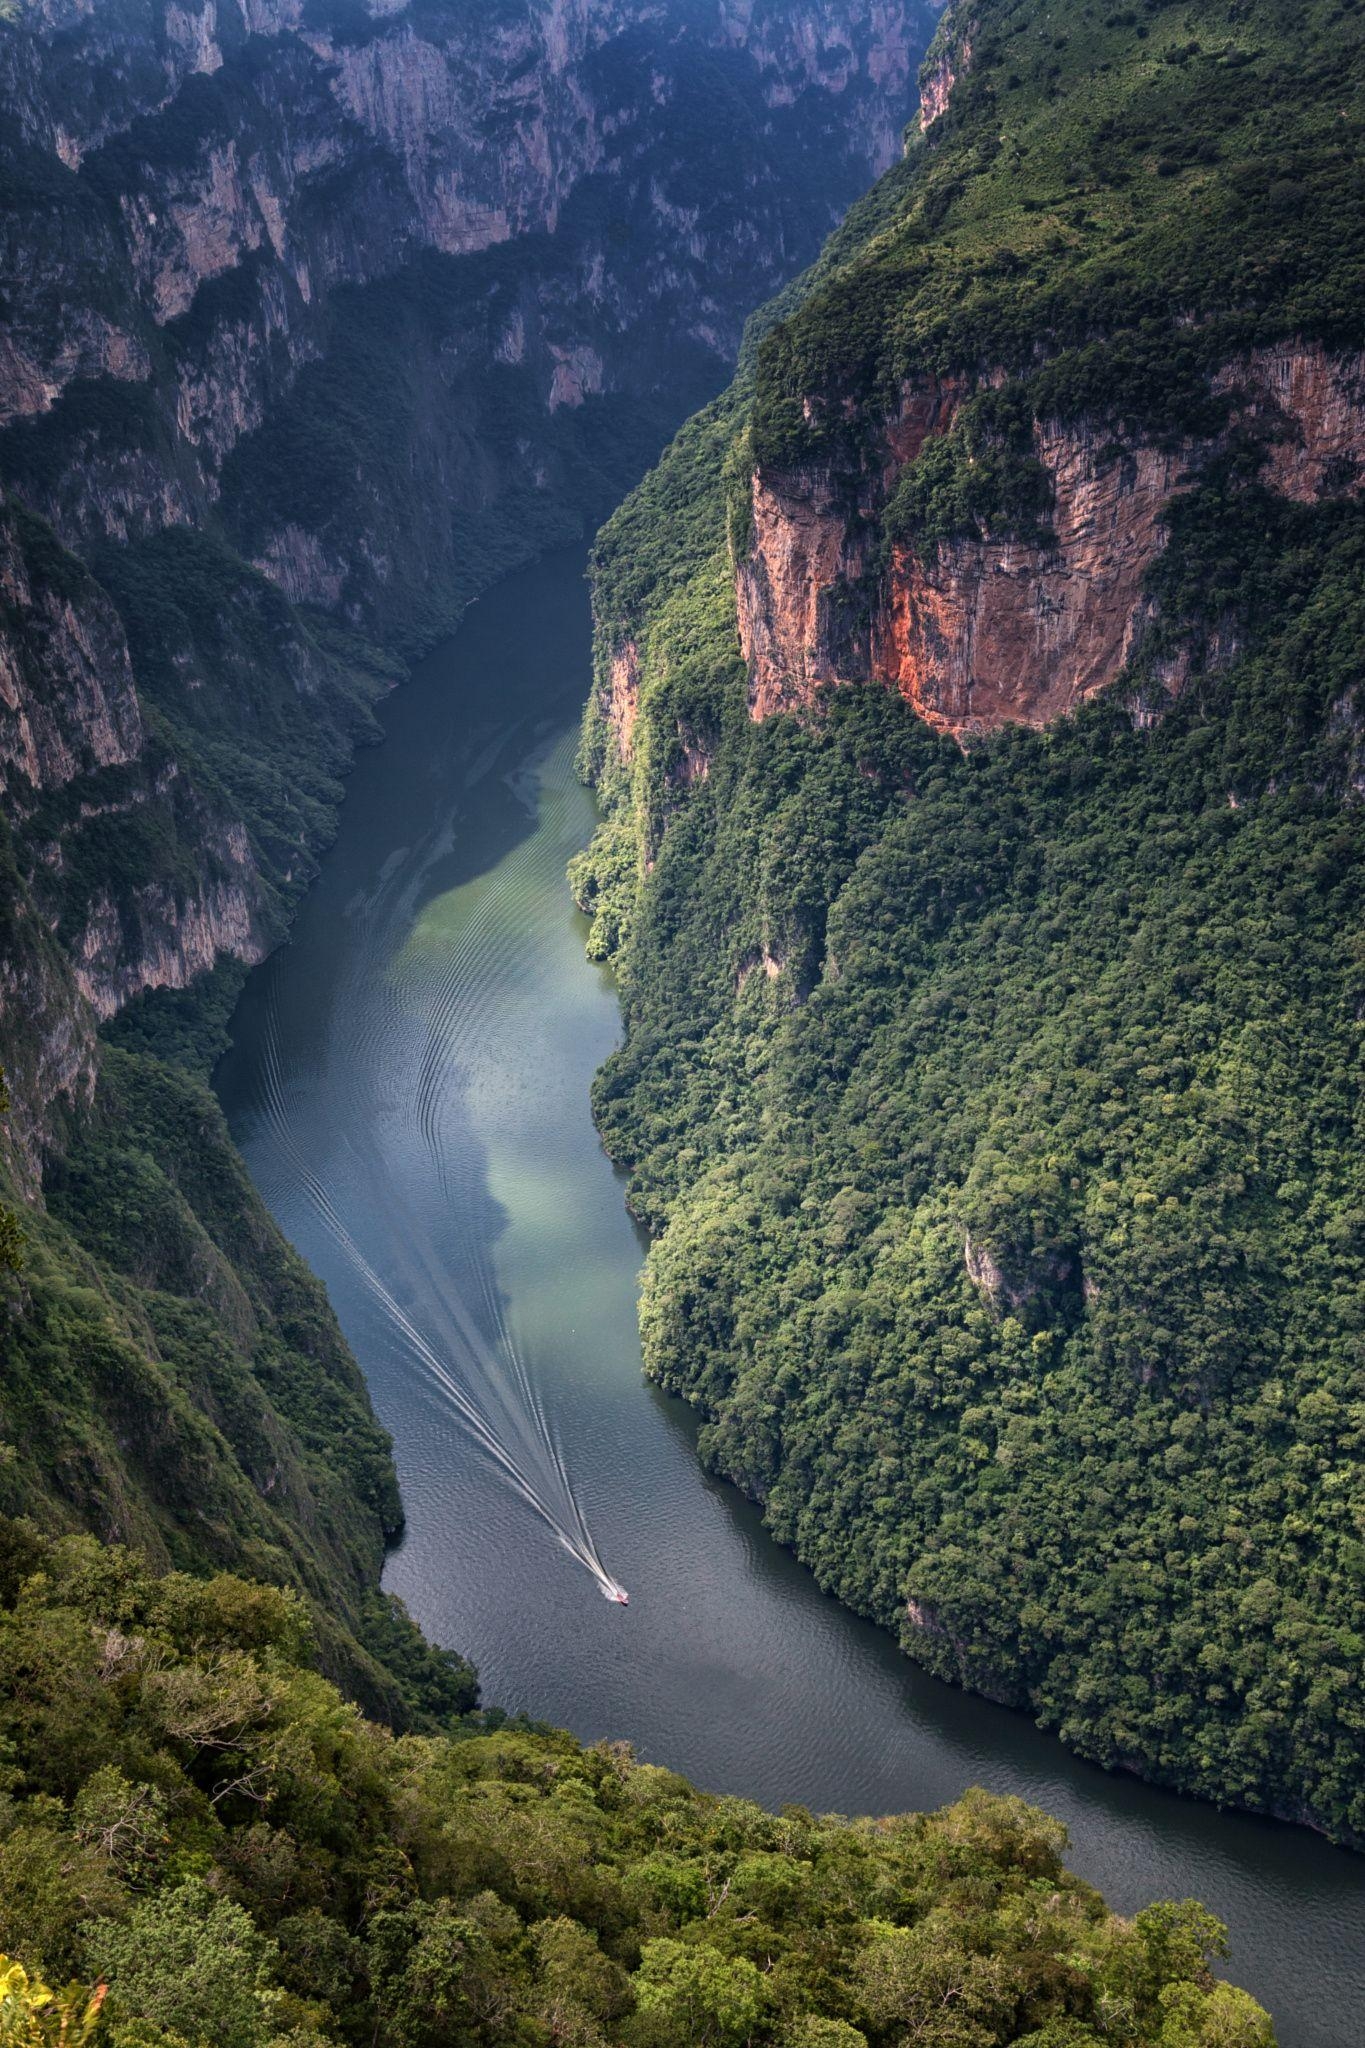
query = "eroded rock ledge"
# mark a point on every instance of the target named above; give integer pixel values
(979, 632)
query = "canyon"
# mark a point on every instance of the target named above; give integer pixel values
(315, 321)
(975, 727)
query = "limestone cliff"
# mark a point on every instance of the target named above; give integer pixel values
(373, 301)
(133, 870)
(950, 54)
(986, 628)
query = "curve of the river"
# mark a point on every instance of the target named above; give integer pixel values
(409, 1083)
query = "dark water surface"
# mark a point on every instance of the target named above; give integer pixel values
(410, 1086)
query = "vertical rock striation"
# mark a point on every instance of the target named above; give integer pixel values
(373, 301)
(982, 629)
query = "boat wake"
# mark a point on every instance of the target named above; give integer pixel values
(466, 1351)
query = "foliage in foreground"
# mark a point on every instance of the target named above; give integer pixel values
(193, 1817)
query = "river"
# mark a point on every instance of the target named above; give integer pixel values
(409, 1083)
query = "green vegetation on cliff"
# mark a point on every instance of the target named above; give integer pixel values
(170, 1375)
(192, 1816)
(998, 1110)
(173, 1377)
(1096, 171)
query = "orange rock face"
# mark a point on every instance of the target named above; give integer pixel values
(621, 698)
(940, 75)
(983, 632)
(1318, 403)
(801, 552)
(925, 409)
(936, 89)
(989, 633)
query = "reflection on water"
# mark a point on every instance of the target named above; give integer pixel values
(410, 1086)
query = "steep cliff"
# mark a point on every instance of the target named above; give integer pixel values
(992, 624)
(372, 305)
(316, 317)
(1007, 1222)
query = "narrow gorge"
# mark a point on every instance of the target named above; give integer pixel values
(964, 836)
(315, 323)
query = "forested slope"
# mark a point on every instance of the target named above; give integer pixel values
(978, 727)
(192, 1817)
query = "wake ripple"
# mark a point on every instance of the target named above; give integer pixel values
(479, 1373)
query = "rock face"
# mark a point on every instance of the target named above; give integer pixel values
(949, 56)
(363, 301)
(804, 555)
(164, 938)
(987, 633)
(84, 784)
(68, 706)
(622, 697)
(981, 630)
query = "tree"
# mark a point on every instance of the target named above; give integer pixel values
(710, 1999)
(192, 1964)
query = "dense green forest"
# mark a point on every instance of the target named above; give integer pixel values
(193, 1817)
(175, 1378)
(997, 1107)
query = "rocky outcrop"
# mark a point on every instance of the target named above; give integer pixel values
(804, 555)
(68, 705)
(802, 589)
(579, 373)
(982, 630)
(1014, 1279)
(983, 633)
(48, 1044)
(950, 54)
(158, 940)
(620, 697)
(694, 757)
(771, 965)
(77, 765)
(1311, 406)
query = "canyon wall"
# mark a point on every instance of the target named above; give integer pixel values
(317, 317)
(984, 668)
(987, 627)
